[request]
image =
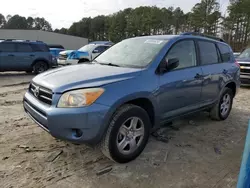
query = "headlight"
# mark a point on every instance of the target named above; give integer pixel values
(79, 98)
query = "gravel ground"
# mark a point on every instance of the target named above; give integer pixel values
(199, 152)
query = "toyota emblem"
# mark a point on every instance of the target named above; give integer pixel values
(36, 91)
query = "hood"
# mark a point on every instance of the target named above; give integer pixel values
(83, 76)
(66, 52)
(243, 59)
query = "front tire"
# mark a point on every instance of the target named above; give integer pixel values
(40, 67)
(83, 61)
(127, 134)
(222, 108)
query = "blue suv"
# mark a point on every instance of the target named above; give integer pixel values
(132, 88)
(25, 55)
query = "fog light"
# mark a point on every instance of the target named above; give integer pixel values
(77, 133)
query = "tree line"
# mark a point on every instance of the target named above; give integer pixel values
(20, 22)
(204, 17)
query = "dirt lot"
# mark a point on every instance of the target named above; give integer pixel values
(200, 152)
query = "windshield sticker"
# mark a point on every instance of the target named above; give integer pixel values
(150, 41)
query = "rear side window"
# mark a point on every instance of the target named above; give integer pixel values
(24, 48)
(7, 47)
(40, 47)
(208, 53)
(225, 51)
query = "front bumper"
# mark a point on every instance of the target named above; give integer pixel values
(62, 123)
(67, 61)
(245, 78)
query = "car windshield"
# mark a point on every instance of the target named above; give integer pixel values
(87, 48)
(135, 52)
(245, 53)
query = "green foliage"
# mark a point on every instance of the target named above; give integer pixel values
(19, 22)
(146, 20)
(236, 25)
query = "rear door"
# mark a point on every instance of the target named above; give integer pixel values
(7, 56)
(215, 68)
(180, 89)
(25, 55)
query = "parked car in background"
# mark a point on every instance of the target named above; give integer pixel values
(244, 61)
(55, 51)
(55, 54)
(134, 87)
(59, 46)
(84, 54)
(24, 55)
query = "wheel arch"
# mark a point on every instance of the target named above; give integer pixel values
(136, 99)
(84, 59)
(40, 59)
(230, 84)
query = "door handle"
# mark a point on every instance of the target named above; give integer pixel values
(225, 71)
(32, 55)
(11, 55)
(197, 76)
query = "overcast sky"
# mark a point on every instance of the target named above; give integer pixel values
(62, 13)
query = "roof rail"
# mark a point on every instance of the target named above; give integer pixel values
(21, 40)
(203, 35)
(102, 42)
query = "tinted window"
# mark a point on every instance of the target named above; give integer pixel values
(208, 53)
(225, 51)
(7, 47)
(24, 48)
(185, 52)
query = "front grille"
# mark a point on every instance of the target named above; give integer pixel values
(63, 57)
(41, 93)
(244, 65)
(245, 71)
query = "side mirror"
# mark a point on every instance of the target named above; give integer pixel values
(95, 51)
(172, 63)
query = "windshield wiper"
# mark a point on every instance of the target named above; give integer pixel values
(110, 64)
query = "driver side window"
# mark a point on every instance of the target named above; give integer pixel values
(185, 52)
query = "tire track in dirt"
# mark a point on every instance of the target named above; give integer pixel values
(10, 103)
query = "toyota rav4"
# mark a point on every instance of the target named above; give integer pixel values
(132, 88)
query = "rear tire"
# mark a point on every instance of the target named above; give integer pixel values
(222, 108)
(40, 67)
(28, 71)
(127, 134)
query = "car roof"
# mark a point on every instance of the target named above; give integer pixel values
(102, 42)
(181, 36)
(22, 41)
(56, 48)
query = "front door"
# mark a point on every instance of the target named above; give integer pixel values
(180, 89)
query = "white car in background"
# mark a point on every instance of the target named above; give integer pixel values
(84, 54)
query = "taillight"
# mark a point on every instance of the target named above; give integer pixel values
(236, 63)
